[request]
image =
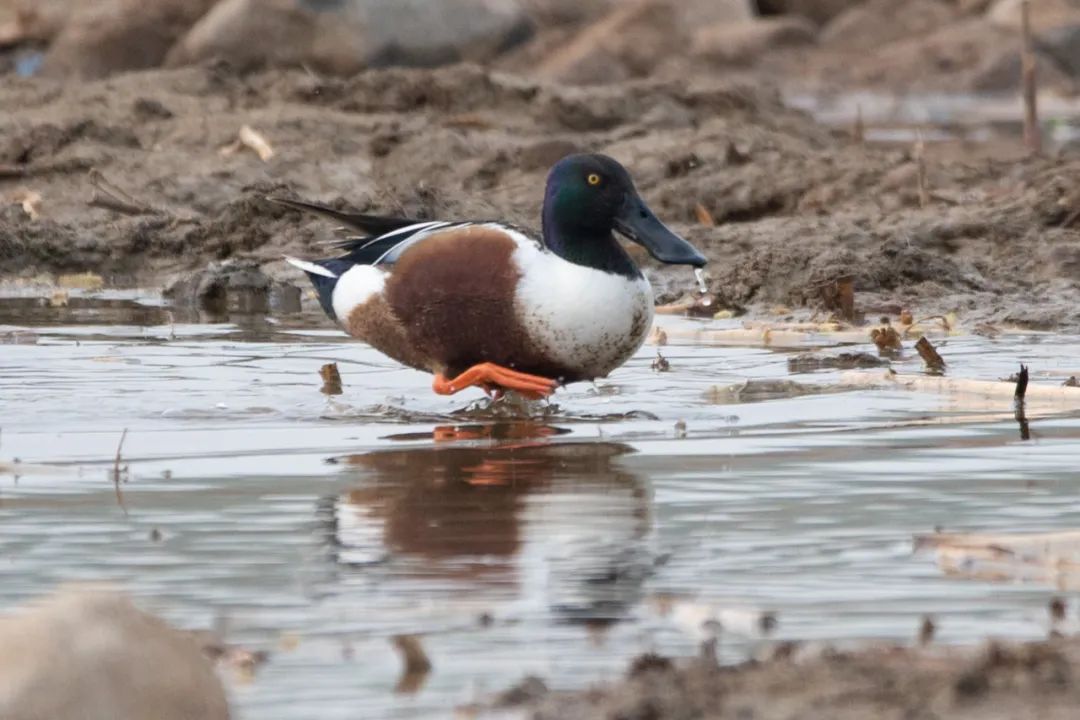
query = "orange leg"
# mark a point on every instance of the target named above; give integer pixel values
(492, 378)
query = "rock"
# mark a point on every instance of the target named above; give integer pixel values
(546, 13)
(91, 655)
(635, 37)
(1001, 72)
(1062, 45)
(745, 42)
(233, 285)
(1044, 14)
(101, 38)
(345, 36)
(817, 11)
(869, 25)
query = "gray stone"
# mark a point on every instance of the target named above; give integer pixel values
(345, 36)
(231, 286)
(90, 654)
(101, 38)
(1062, 45)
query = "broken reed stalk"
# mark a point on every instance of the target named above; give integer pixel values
(1019, 405)
(1029, 81)
(1021, 384)
(858, 128)
(934, 363)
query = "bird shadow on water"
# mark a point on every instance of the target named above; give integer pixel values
(514, 505)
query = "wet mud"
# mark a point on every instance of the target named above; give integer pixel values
(783, 207)
(996, 681)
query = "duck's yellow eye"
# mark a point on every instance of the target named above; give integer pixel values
(593, 179)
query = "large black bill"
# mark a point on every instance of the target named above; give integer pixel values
(636, 222)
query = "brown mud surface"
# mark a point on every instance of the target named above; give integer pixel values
(796, 206)
(993, 682)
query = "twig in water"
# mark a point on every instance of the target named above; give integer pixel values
(1021, 383)
(417, 665)
(1019, 404)
(116, 472)
(927, 630)
(1029, 80)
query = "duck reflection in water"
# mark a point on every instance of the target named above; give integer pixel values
(557, 521)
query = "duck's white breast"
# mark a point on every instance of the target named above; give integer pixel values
(582, 318)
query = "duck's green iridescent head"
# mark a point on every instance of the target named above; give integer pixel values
(588, 197)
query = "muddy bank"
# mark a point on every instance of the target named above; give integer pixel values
(781, 205)
(993, 682)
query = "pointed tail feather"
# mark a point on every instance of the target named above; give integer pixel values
(372, 225)
(323, 278)
(309, 267)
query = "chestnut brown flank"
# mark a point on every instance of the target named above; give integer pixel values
(449, 305)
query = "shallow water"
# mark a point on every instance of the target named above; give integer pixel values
(319, 527)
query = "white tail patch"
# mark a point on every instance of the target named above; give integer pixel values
(309, 266)
(356, 286)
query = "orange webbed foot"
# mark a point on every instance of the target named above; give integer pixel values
(493, 378)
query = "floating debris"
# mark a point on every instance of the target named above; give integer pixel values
(417, 665)
(331, 380)
(81, 281)
(927, 629)
(838, 296)
(1057, 609)
(763, 390)
(808, 362)
(660, 364)
(1068, 396)
(1051, 558)
(243, 662)
(887, 339)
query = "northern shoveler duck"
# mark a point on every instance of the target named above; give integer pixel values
(487, 304)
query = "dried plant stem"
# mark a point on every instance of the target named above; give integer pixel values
(920, 164)
(1029, 79)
